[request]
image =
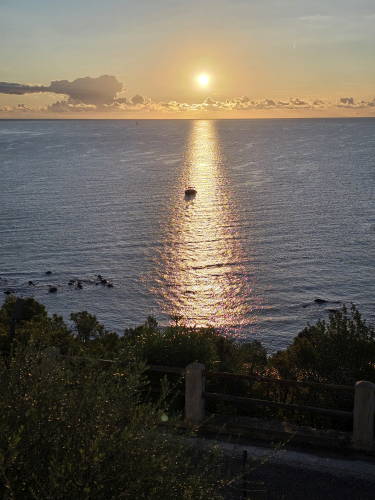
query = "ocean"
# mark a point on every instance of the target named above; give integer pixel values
(284, 214)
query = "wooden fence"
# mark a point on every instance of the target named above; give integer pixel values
(363, 414)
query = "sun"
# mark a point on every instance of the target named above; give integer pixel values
(203, 80)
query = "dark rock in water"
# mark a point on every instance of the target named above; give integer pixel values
(79, 285)
(48, 272)
(71, 282)
(52, 289)
(31, 283)
(9, 292)
(102, 281)
(320, 301)
(109, 285)
(331, 311)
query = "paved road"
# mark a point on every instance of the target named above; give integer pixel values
(295, 475)
(276, 482)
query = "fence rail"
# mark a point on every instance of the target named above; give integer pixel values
(273, 404)
(297, 383)
(166, 369)
(363, 413)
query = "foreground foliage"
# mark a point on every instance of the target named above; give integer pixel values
(71, 430)
(340, 350)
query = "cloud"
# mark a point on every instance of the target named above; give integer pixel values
(87, 90)
(349, 102)
(300, 102)
(96, 91)
(19, 89)
(135, 103)
(23, 107)
(243, 103)
(104, 94)
(68, 106)
(19, 108)
(346, 102)
(138, 99)
(317, 103)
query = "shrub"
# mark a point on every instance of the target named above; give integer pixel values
(25, 321)
(341, 350)
(19, 309)
(181, 345)
(76, 431)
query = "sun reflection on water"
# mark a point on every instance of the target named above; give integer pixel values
(200, 271)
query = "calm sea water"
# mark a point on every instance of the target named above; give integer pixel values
(284, 214)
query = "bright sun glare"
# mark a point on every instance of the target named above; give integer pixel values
(203, 80)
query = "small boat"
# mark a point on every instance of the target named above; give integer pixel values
(190, 191)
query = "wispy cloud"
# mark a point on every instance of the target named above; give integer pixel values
(68, 106)
(19, 88)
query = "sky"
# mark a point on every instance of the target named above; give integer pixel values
(127, 58)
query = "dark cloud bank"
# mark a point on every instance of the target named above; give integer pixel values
(103, 94)
(96, 91)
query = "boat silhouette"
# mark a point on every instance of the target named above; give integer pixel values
(190, 191)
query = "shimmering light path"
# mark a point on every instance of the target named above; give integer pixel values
(200, 269)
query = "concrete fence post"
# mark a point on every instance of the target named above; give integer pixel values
(363, 415)
(194, 389)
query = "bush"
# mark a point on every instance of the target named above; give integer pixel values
(25, 321)
(181, 345)
(18, 310)
(76, 431)
(339, 351)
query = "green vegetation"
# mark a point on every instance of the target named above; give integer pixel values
(76, 431)
(180, 345)
(71, 426)
(341, 351)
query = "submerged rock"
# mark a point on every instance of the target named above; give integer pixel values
(48, 272)
(52, 289)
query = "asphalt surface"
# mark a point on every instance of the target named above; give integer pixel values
(266, 474)
(276, 482)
